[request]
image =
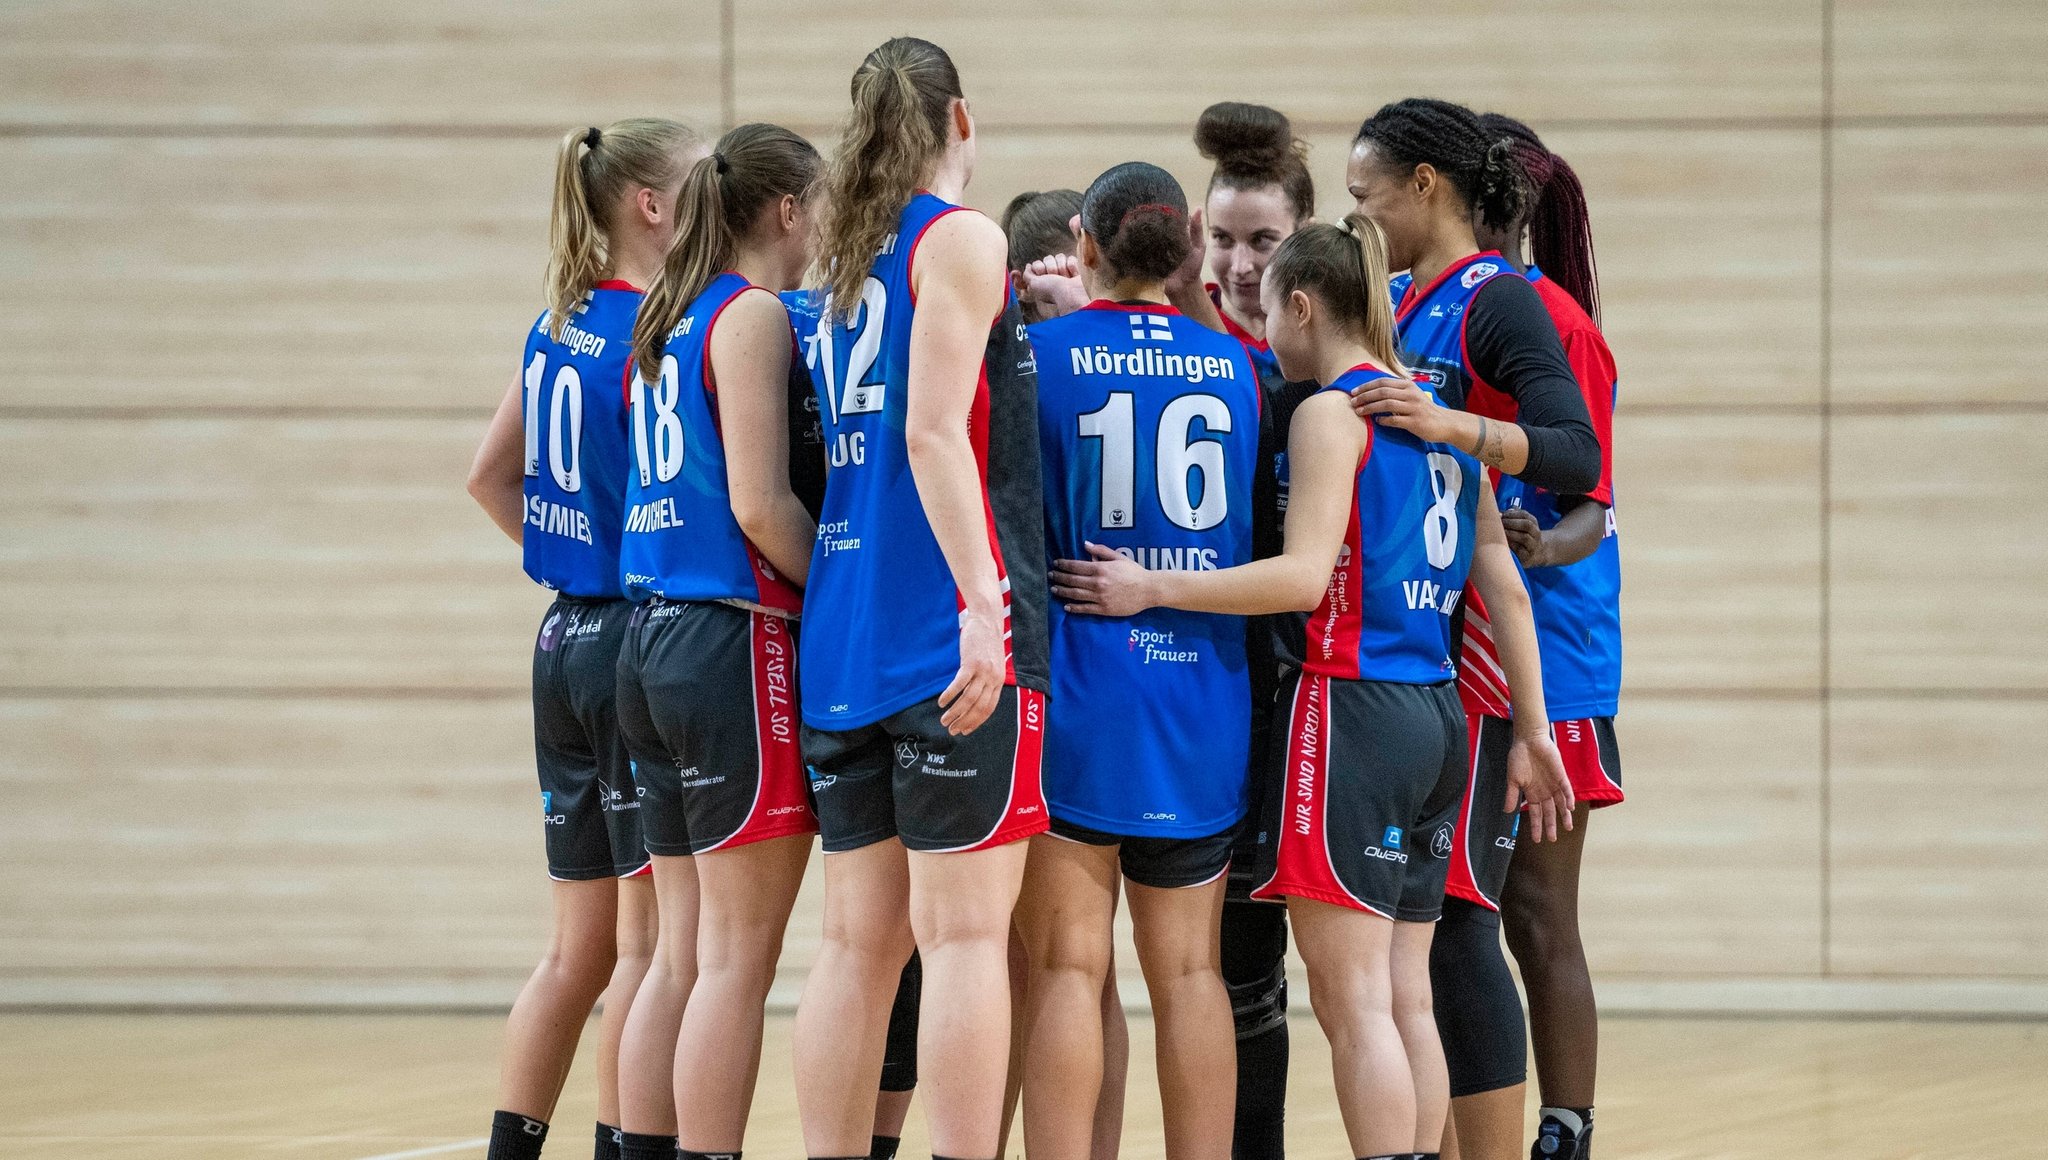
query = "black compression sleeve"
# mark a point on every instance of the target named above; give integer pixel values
(1512, 346)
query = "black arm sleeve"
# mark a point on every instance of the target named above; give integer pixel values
(1512, 346)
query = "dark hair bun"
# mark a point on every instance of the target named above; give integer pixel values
(1245, 140)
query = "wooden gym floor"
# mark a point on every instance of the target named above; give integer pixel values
(355, 1086)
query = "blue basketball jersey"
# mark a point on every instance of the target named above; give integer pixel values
(882, 615)
(681, 540)
(1148, 425)
(1578, 606)
(575, 420)
(1387, 615)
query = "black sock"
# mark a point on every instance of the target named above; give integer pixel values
(607, 1142)
(515, 1137)
(883, 1147)
(636, 1146)
(686, 1154)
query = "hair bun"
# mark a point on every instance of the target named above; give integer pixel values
(1244, 138)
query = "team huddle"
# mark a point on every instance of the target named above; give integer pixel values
(1255, 570)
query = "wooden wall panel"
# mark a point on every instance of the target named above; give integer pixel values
(287, 273)
(1720, 531)
(1936, 295)
(1712, 866)
(1943, 57)
(370, 62)
(361, 837)
(1074, 63)
(256, 552)
(1709, 260)
(1940, 575)
(1940, 835)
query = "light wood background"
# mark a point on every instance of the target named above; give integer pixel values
(263, 722)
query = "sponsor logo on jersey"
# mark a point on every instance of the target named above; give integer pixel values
(1159, 646)
(1151, 362)
(833, 537)
(1435, 378)
(1478, 272)
(1153, 817)
(1150, 326)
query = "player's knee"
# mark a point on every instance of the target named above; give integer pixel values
(1346, 999)
(1259, 1004)
(580, 965)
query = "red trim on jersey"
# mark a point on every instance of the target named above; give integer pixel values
(1334, 651)
(910, 255)
(1131, 307)
(977, 437)
(1230, 325)
(781, 804)
(1417, 293)
(1482, 681)
(617, 284)
(1592, 363)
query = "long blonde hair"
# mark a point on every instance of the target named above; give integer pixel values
(1345, 265)
(893, 140)
(593, 167)
(751, 167)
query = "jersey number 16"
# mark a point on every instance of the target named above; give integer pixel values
(1178, 459)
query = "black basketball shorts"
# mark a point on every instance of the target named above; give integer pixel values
(1373, 776)
(707, 701)
(906, 777)
(590, 810)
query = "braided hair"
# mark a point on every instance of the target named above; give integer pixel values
(1449, 138)
(1560, 234)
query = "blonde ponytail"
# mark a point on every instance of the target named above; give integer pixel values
(750, 168)
(593, 168)
(902, 94)
(1345, 266)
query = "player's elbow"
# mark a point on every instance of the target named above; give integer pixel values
(1303, 590)
(928, 443)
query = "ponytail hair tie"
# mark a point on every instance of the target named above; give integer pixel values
(1345, 227)
(591, 138)
(719, 163)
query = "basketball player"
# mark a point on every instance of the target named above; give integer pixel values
(1150, 424)
(924, 651)
(1040, 227)
(550, 474)
(1428, 171)
(1381, 531)
(716, 547)
(1573, 561)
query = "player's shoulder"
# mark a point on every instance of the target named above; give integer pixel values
(966, 231)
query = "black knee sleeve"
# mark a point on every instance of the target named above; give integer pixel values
(1255, 970)
(1254, 965)
(1478, 1013)
(899, 1059)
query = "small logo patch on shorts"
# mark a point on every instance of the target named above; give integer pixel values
(1392, 838)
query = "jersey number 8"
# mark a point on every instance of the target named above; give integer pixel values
(1177, 458)
(565, 424)
(1440, 522)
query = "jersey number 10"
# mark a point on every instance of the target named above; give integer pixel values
(1177, 459)
(565, 424)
